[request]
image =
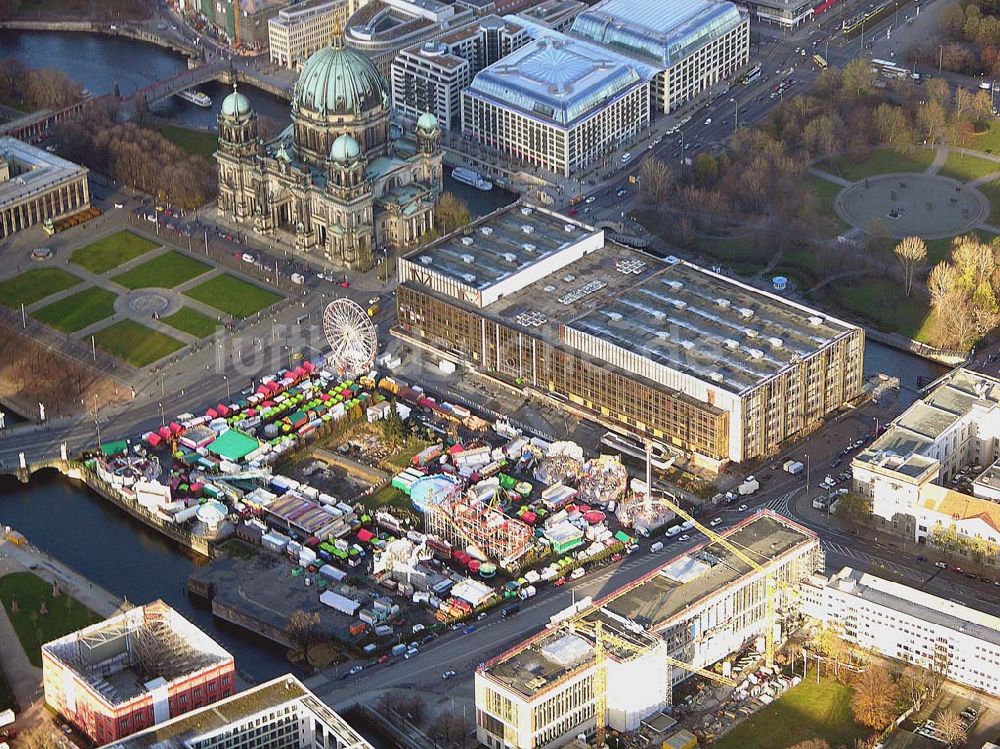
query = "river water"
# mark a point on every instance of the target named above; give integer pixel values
(78, 527)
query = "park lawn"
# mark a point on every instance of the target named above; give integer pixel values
(809, 710)
(111, 251)
(940, 249)
(880, 161)
(989, 141)
(77, 311)
(826, 193)
(65, 613)
(166, 271)
(191, 322)
(193, 142)
(964, 168)
(233, 296)
(991, 190)
(135, 343)
(387, 496)
(38, 283)
(884, 305)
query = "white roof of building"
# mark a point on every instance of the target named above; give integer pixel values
(33, 170)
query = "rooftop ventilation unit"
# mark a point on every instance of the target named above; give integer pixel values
(675, 285)
(466, 241)
(731, 343)
(679, 304)
(468, 258)
(687, 345)
(528, 247)
(485, 230)
(468, 277)
(549, 288)
(750, 333)
(662, 334)
(755, 353)
(815, 320)
(671, 260)
(716, 376)
(616, 316)
(724, 303)
(510, 257)
(745, 312)
(526, 210)
(776, 342)
(568, 228)
(569, 278)
(527, 228)
(426, 259)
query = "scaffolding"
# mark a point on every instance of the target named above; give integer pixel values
(471, 522)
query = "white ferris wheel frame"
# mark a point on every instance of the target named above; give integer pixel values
(351, 335)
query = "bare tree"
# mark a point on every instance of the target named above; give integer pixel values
(655, 178)
(875, 697)
(450, 214)
(951, 727)
(450, 728)
(301, 629)
(811, 744)
(911, 254)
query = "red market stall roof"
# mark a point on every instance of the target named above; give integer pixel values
(212, 413)
(308, 366)
(164, 432)
(175, 427)
(593, 517)
(365, 535)
(152, 439)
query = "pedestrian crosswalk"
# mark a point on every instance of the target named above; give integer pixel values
(874, 564)
(780, 503)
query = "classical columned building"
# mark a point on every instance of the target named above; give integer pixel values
(36, 186)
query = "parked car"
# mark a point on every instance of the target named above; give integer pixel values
(742, 508)
(447, 675)
(356, 670)
(715, 522)
(941, 565)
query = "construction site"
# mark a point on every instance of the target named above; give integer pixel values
(613, 664)
(134, 670)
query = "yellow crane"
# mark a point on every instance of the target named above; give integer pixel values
(642, 644)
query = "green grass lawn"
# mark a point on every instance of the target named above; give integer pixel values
(991, 190)
(65, 614)
(940, 249)
(966, 168)
(135, 343)
(988, 142)
(879, 161)
(192, 322)
(826, 192)
(806, 711)
(194, 142)
(233, 296)
(112, 251)
(883, 303)
(165, 271)
(77, 311)
(38, 283)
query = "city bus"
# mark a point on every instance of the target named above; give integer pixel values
(819, 62)
(752, 75)
(889, 69)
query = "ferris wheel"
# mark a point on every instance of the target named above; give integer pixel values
(351, 335)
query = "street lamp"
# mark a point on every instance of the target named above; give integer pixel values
(736, 119)
(229, 397)
(807, 473)
(163, 419)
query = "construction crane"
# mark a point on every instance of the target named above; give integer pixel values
(633, 649)
(771, 585)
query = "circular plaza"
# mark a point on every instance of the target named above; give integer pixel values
(931, 206)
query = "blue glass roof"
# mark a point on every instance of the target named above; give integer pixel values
(557, 78)
(662, 30)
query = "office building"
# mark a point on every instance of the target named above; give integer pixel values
(241, 22)
(554, 14)
(132, 671)
(697, 608)
(910, 625)
(37, 186)
(696, 44)
(558, 103)
(786, 14)
(935, 468)
(711, 369)
(336, 183)
(382, 28)
(279, 714)
(431, 76)
(298, 31)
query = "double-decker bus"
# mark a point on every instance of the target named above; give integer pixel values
(752, 75)
(819, 62)
(889, 69)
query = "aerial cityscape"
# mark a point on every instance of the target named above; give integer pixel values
(519, 374)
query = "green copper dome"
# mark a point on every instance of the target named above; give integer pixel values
(427, 122)
(236, 105)
(345, 148)
(338, 80)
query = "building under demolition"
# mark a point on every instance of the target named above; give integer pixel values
(710, 368)
(134, 670)
(695, 609)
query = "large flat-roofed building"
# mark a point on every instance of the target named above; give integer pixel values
(134, 670)
(382, 28)
(298, 31)
(279, 714)
(787, 14)
(696, 44)
(554, 14)
(709, 367)
(910, 625)
(934, 469)
(697, 608)
(431, 76)
(36, 186)
(558, 103)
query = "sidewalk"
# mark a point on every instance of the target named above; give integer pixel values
(25, 680)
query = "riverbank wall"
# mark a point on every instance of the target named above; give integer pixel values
(128, 30)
